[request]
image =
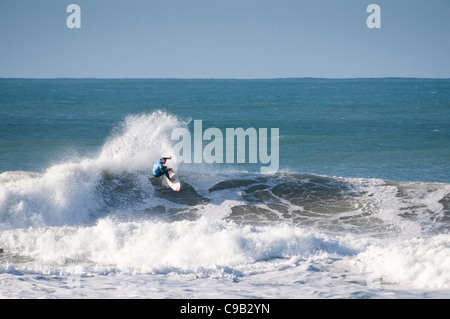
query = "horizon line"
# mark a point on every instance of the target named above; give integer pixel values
(220, 78)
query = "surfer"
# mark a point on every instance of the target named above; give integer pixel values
(159, 169)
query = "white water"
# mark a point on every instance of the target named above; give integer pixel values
(72, 232)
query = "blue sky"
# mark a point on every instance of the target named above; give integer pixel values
(224, 39)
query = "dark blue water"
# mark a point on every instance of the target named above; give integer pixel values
(393, 129)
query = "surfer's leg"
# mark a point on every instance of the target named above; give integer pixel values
(159, 174)
(168, 177)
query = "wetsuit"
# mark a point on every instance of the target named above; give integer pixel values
(160, 169)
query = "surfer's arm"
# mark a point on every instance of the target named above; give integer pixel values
(165, 169)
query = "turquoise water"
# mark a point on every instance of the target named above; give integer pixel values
(359, 207)
(381, 128)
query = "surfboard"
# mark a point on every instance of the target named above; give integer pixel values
(175, 185)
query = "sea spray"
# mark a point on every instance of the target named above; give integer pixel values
(69, 193)
(138, 142)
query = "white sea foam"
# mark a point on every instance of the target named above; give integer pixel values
(422, 263)
(197, 247)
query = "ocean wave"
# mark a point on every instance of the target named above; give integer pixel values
(72, 195)
(118, 182)
(108, 214)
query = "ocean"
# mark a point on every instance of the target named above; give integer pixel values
(357, 205)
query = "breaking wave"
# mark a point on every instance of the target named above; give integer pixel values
(106, 213)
